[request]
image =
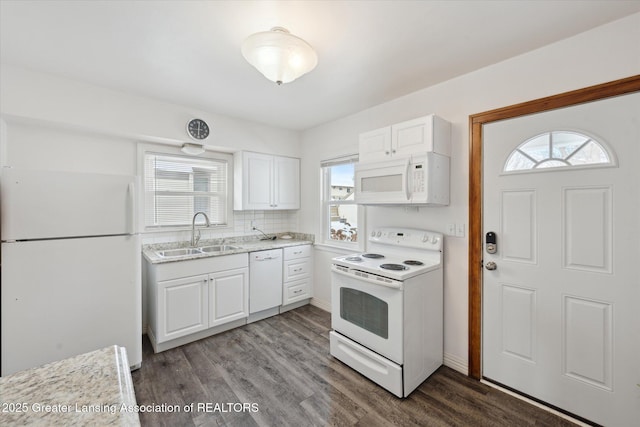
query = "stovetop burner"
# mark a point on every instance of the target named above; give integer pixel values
(372, 256)
(413, 262)
(396, 267)
(353, 258)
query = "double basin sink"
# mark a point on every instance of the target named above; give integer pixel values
(169, 253)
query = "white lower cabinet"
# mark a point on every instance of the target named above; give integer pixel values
(189, 300)
(192, 299)
(182, 307)
(228, 296)
(297, 274)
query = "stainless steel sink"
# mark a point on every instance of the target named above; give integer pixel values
(178, 252)
(218, 248)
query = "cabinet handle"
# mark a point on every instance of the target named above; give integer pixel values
(393, 151)
(297, 253)
(386, 152)
(298, 291)
(295, 270)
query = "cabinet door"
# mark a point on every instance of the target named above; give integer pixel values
(182, 307)
(413, 136)
(257, 181)
(228, 296)
(375, 145)
(286, 174)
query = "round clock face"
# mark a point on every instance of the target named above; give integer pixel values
(198, 129)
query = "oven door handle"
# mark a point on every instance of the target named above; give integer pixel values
(394, 284)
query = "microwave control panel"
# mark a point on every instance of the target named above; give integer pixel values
(417, 177)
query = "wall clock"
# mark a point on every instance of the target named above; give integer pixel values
(198, 129)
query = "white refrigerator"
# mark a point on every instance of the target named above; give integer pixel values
(70, 266)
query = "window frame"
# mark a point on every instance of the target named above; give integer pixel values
(326, 202)
(145, 148)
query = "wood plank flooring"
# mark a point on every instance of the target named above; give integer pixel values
(278, 372)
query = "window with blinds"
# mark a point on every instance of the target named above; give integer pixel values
(176, 187)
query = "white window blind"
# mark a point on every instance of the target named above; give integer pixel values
(176, 187)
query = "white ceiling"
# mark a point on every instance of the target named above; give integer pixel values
(188, 52)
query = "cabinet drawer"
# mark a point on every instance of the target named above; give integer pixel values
(296, 291)
(296, 269)
(295, 252)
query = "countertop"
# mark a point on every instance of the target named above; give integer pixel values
(90, 389)
(245, 244)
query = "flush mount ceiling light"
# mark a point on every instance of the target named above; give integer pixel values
(279, 55)
(192, 149)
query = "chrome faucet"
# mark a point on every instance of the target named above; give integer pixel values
(194, 239)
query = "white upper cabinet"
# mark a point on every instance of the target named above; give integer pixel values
(375, 145)
(418, 136)
(266, 182)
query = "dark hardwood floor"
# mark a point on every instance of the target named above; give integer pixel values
(278, 372)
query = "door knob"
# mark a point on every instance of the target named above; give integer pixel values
(491, 265)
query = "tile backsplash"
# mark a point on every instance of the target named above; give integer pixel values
(267, 221)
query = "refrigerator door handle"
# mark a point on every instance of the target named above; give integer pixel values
(131, 192)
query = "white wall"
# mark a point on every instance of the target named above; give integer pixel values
(55, 123)
(606, 53)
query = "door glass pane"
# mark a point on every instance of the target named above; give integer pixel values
(537, 148)
(589, 154)
(565, 143)
(365, 310)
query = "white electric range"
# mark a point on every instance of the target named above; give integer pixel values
(387, 308)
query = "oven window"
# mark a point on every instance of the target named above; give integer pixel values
(365, 311)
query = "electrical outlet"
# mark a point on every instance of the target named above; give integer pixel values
(451, 229)
(460, 230)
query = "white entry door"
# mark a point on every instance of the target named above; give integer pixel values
(561, 309)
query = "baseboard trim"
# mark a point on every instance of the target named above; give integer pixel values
(324, 305)
(456, 363)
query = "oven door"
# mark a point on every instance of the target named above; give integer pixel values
(369, 314)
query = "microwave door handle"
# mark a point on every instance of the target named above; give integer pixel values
(406, 188)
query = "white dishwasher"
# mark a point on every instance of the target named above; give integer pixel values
(265, 283)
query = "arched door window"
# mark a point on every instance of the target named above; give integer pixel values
(558, 149)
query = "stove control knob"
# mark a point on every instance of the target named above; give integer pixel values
(378, 234)
(373, 234)
(434, 239)
(425, 238)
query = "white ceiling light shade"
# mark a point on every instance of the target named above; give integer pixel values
(192, 149)
(279, 55)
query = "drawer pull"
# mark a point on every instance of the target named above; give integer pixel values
(298, 291)
(296, 270)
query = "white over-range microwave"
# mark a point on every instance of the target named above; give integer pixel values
(415, 180)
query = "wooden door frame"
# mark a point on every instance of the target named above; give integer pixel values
(476, 121)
